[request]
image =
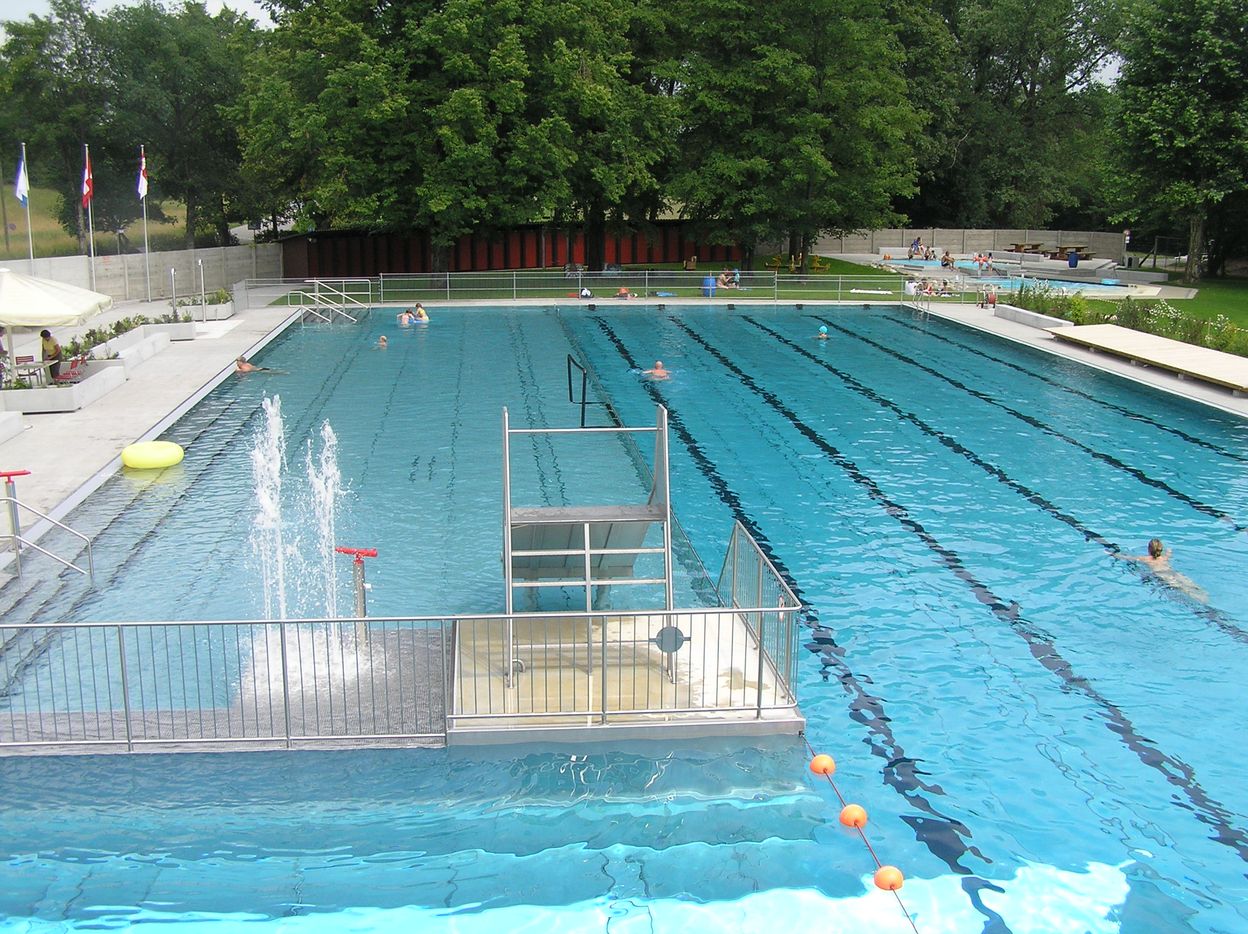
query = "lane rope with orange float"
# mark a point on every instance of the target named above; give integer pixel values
(888, 878)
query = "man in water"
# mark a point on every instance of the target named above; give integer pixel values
(1158, 563)
(823, 333)
(658, 371)
(242, 366)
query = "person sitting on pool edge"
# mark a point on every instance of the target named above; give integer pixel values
(658, 371)
(1158, 563)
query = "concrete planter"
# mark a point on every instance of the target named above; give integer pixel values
(1033, 319)
(208, 312)
(134, 347)
(64, 398)
(179, 331)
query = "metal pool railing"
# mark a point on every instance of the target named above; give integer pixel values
(125, 686)
(750, 579)
(137, 684)
(653, 285)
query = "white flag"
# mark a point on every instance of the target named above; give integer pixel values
(22, 188)
(142, 174)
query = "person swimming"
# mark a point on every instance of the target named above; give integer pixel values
(419, 314)
(242, 366)
(383, 342)
(823, 333)
(406, 317)
(1158, 563)
(658, 371)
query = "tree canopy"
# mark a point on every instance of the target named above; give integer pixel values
(760, 124)
(1183, 113)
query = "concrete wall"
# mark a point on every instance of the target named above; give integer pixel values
(1104, 244)
(124, 276)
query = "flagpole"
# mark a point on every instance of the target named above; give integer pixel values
(30, 235)
(147, 268)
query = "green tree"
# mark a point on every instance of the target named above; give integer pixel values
(1022, 101)
(796, 120)
(55, 102)
(1183, 119)
(173, 79)
(327, 126)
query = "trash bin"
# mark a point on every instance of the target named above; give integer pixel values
(708, 286)
(1072, 259)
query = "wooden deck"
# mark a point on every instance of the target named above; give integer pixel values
(1186, 360)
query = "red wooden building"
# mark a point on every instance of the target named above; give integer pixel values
(343, 253)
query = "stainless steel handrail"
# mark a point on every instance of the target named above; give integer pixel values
(135, 684)
(18, 539)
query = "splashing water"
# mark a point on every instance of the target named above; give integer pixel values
(267, 538)
(325, 490)
(294, 530)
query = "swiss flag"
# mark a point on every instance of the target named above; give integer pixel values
(88, 186)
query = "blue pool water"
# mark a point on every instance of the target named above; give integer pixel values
(1045, 738)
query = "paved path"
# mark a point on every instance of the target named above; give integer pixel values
(63, 451)
(70, 453)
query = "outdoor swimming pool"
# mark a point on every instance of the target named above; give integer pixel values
(1045, 739)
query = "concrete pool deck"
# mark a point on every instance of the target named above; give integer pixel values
(65, 451)
(69, 454)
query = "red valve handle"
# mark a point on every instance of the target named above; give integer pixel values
(359, 553)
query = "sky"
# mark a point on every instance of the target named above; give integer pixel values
(21, 9)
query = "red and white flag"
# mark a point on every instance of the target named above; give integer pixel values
(88, 186)
(142, 174)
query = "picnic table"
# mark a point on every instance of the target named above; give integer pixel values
(1025, 247)
(38, 372)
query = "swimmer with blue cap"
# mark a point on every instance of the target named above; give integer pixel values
(823, 333)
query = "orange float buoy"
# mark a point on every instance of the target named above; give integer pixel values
(889, 878)
(823, 764)
(854, 815)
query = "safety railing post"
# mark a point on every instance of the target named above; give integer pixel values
(15, 527)
(125, 687)
(758, 713)
(448, 285)
(285, 681)
(604, 668)
(513, 286)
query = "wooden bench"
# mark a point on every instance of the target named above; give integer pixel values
(1185, 360)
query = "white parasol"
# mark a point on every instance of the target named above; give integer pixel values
(30, 302)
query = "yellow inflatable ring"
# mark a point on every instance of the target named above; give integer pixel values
(147, 455)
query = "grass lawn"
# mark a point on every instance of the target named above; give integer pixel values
(1218, 297)
(50, 239)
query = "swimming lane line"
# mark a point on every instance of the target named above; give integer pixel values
(1034, 422)
(1042, 646)
(945, 837)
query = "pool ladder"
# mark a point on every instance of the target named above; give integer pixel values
(19, 541)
